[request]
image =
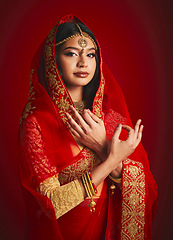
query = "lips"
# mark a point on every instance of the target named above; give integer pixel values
(81, 74)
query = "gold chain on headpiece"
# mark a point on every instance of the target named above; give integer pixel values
(80, 30)
(82, 42)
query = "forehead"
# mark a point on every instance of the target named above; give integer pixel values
(74, 42)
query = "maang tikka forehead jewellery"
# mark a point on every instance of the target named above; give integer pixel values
(82, 42)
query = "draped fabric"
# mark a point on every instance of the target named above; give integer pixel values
(46, 148)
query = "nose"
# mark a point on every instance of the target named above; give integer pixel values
(82, 62)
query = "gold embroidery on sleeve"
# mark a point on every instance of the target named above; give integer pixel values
(76, 170)
(63, 198)
(133, 204)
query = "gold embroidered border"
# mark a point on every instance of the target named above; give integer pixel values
(133, 201)
(97, 103)
(59, 95)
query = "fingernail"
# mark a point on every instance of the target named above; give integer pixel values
(71, 107)
(86, 110)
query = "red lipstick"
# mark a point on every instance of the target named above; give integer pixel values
(81, 74)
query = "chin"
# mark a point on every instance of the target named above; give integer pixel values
(82, 82)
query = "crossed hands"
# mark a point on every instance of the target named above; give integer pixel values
(90, 131)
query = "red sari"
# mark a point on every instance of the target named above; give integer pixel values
(46, 148)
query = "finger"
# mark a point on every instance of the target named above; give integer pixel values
(117, 131)
(73, 131)
(129, 130)
(79, 118)
(137, 126)
(139, 135)
(87, 117)
(94, 117)
(126, 127)
(73, 124)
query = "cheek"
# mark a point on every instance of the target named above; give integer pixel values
(67, 70)
(67, 66)
(93, 67)
(62, 64)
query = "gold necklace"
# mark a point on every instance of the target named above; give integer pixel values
(79, 105)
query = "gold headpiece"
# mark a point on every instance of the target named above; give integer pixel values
(82, 41)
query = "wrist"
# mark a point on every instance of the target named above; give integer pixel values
(102, 151)
(117, 172)
(115, 179)
(112, 162)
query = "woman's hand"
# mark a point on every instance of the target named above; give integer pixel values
(120, 150)
(90, 131)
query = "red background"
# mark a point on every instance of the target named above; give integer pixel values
(136, 44)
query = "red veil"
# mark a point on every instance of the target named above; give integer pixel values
(45, 149)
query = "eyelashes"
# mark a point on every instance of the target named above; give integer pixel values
(72, 54)
(92, 55)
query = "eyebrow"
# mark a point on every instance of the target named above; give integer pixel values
(78, 48)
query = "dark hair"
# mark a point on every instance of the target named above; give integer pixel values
(66, 30)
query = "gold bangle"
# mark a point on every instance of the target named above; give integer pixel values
(86, 186)
(91, 184)
(116, 180)
(89, 188)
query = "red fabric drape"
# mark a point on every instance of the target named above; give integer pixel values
(42, 137)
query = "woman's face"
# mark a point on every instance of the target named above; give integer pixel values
(77, 65)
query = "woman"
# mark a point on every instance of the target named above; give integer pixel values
(80, 174)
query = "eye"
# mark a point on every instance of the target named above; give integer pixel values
(70, 54)
(91, 55)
